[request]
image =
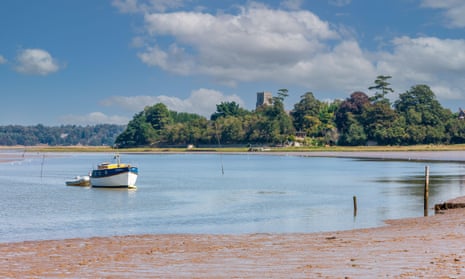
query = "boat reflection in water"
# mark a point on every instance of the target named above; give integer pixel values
(114, 175)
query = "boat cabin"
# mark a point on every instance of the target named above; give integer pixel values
(106, 166)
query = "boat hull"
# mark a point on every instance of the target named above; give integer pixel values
(79, 181)
(114, 178)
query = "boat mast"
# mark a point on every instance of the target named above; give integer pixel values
(117, 159)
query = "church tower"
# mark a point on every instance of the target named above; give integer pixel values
(264, 99)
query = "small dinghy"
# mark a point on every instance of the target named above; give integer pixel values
(79, 181)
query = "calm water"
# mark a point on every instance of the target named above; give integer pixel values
(199, 193)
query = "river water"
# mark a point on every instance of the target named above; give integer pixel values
(216, 193)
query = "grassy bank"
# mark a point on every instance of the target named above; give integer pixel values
(239, 149)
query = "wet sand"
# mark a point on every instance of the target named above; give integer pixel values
(11, 157)
(425, 247)
(14, 155)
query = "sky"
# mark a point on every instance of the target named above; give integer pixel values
(87, 62)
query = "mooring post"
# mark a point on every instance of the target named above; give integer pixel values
(42, 166)
(426, 192)
(355, 206)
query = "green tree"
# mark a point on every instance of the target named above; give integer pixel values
(351, 110)
(424, 115)
(354, 136)
(306, 112)
(382, 87)
(184, 117)
(456, 130)
(197, 131)
(225, 109)
(282, 94)
(393, 133)
(275, 124)
(138, 133)
(380, 123)
(325, 131)
(230, 130)
(250, 124)
(175, 134)
(158, 116)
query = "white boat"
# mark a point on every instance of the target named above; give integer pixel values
(79, 181)
(114, 175)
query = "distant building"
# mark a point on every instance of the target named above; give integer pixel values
(461, 114)
(300, 134)
(264, 99)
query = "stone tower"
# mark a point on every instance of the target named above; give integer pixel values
(264, 99)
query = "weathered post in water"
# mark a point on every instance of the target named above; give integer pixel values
(355, 206)
(426, 192)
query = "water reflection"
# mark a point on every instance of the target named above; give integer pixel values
(439, 185)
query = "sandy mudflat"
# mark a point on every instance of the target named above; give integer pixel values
(10, 157)
(425, 247)
(430, 247)
(13, 155)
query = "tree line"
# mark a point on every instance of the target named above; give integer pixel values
(416, 117)
(67, 135)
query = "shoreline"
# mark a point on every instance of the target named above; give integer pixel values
(428, 247)
(16, 154)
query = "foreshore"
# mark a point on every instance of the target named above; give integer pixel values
(425, 247)
(428, 247)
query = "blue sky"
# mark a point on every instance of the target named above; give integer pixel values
(101, 61)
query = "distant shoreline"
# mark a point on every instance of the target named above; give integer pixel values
(226, 149)
(446, 153)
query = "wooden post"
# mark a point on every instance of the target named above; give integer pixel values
(426, 192)
(42, 166)
(355, 206)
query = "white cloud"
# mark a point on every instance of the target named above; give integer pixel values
(292, 4)
(343, 69)
(131, 104)
(295, 47)
(93, 118)
(174, 60)
(453, 10)
(202, 101)
(444, 90)
(2, 60)
(426, 60)
(257, 44)
(126, 6)
(137, 41)
(36, 62)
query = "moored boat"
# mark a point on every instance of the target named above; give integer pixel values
(114, 175)
(79, 181)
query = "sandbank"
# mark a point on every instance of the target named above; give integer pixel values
(426, 247)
